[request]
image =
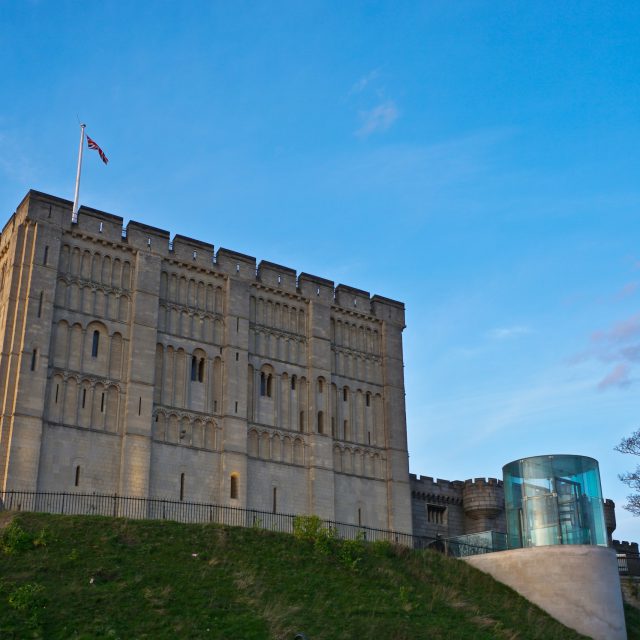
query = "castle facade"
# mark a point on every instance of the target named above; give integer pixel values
(135, 364)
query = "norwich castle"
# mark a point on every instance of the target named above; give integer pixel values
(135, 364)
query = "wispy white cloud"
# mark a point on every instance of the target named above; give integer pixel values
(617, 377)
(380, 118)
(360, 85)
(505, 333)
(627, 291)
(619, 347)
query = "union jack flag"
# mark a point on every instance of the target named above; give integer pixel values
(93, 145)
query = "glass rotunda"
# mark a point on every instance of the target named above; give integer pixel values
(553, 500)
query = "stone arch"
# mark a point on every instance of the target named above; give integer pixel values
(126, 275)
(87, 295)
(182, 290)
(96, 267)
(75, 261)
(198, 434)
(61, 344)
(210, 435)
(287, 449)
(113, 401)
(264, 445)
(180, 377)
(61, 293)
(56, 397)
(64, 258)
(106, 271)
(74, 297)
(164, 285)
(298, 451)
(217, 331)
(115, 356)
(70, 401)
(172, 429)
(85, 401)
(216, 384)
(252, 444)
(159, 426)
(123, 308)
(75, 347)
(85, 268)
(186, 431)
(95, 357)
(337, 459)
(157, 377)
(201, 300)
(99, 406)
(211, 305)
(173, 288)
(116, 273)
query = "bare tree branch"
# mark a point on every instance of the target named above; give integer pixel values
(631, 445)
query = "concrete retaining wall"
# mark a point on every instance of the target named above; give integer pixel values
(576, 584)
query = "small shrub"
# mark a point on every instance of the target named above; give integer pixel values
(43, 538)
(351, 552)
(383, 549)
(26, 597)
(14, 538)
(308, 527)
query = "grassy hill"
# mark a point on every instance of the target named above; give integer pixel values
(94, 577)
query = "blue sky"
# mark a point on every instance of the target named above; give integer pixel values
(476, 160)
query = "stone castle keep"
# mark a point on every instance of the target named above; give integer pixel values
(137, 365)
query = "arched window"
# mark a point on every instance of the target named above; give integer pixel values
(194, 368)
(293, 383)
(34, 359)
(368, 397)
(320, 385)
(77, 479)
(320, 422)
(182, 486)
(263, 384)
(269, 385)
(234, 487)
(95, 344)
(345, 393)
(201, 370)
(301, 424)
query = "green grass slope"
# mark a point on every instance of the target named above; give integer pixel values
(93, 577)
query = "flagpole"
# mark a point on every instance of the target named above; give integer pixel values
(74, 214)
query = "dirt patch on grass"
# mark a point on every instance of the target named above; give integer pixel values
(6, 518)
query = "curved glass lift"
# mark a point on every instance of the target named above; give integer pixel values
(553, 500)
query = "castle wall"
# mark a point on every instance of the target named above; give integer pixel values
(358, 500)
(443, 508)
(166, 368)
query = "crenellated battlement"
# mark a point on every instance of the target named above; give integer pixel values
(427, 482)
(140, 236)
(483, 482)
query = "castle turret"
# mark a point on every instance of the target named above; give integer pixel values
(483, 502)
(610, 519)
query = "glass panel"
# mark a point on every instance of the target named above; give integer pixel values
(554, 500)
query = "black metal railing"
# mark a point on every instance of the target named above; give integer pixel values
(196, 512)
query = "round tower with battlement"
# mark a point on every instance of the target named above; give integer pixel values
(483, 503)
